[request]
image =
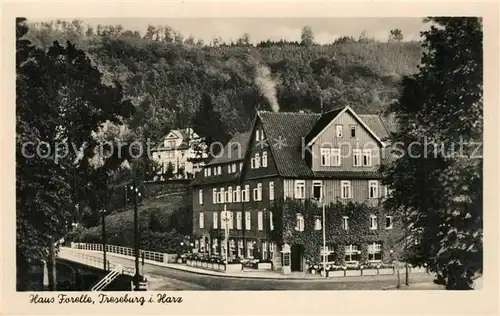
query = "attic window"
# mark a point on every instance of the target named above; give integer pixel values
(338, 130)
(353, 131)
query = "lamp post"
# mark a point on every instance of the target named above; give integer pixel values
(225, 219)
(324, 238)
(135, 195)
(103, 219)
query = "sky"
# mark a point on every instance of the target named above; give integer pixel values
(325, 29)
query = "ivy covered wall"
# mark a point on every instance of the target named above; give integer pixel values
(358, 232)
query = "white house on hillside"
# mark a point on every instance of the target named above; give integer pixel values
(175, 149)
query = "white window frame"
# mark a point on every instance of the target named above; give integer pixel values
(248, 221)
(249, 249)
(390, 220)
(356, 158)
(317, 183)
(247, 193)
(300, 222)
(373, 249)
(229, 196)
(345, 184)
(214, 195)
(257, 161)
(257, 134)
(252, 163)
(239, 216)
(325, 154)
(200, 196)
(271, 224)
(373, 222)
(352, 128)
(367, 153)
(338, 131)
(335, 157)
(264, 159)
(260, 220)
(237, 194)
(240, 247)
(271, 190)
(201, 217)
(345, 222)
(373, 184)
(209, 171)
(222, 195)
(233, 166)
(215, 220)
(300, 189)
(350, 250)
(230, 222)
(229, 168)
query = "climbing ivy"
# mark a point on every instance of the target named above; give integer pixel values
(358, 232)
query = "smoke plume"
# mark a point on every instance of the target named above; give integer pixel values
(267, 86)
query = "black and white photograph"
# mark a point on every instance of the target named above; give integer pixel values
(248, 154)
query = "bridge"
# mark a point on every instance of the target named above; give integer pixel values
(118, 264)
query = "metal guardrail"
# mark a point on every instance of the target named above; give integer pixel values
(125, 251)
(112, 275)
(92, 261)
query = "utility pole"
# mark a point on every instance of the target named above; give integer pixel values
(103, 219)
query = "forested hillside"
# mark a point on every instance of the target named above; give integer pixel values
(166, 75)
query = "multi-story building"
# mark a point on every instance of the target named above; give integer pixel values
(174, 151)
(291, 156)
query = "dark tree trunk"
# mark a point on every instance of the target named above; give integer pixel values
(51, 267)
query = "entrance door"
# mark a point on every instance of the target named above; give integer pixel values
(297, 257)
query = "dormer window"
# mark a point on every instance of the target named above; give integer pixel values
(170, 143)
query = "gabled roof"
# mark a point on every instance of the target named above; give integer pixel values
(328, 118)
(186, 135)
(376, 124)
(234, 150)
(284, 132)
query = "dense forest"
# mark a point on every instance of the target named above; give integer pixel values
(166, 75)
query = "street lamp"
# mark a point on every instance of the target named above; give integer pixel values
(103, 218)
(225, 219)
(135, 195)
(319, 196)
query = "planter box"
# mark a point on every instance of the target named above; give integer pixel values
(370, 272)
(386, 271)
(336, 274)
(353, 273)
(233, 267)
(264, 266)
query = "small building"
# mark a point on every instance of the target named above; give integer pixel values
(290, 156)
(175, 153)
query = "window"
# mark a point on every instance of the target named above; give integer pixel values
(388, 222)
(300, 189)
(248, 222)
(238, 220)
(317, 189)
(345, 222)
(204, 171)
(374, 252)
(345, 189)
(257, 135)
(229, 169)
(264, 250)
(200, 196)
(300, 223)
(257, 192)
(338, 130)
(373, 189)
(271, 250)
(215, 220)
(237, 194)
(373, 222)
(222, 195)
(249, 249)
(353, 131)
(252, 163)
(317, 223)
(202, 220)
(271, 191)
(264, 159)
(219, 170)
(325, 156)
(260, 221)
(230, 220)
(356, 154)
(240, 248)
(233, 166)
(330, 157)
(367, 157)
(257, 160)
(209, 172)
(170, 143)
(335, 157)
(352, 253)
(214, 196)
(271, 223)
(241, 165)
(246, 193)
(229, 195)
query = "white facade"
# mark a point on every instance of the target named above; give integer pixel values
(176, 148)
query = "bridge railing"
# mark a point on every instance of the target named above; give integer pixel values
(124, 251)
(93, 261)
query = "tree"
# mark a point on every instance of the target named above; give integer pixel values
(395, 35)
(438, 187)
(244, 40)
(60, 100)
(307, 36)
